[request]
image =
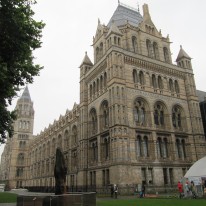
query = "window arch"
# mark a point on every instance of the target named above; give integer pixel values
(177, 90)
(74, 134)
(106, 145)
(134, 44)
(20, 159)
(139, 111)
(166, 54)
(141, 78)
(93, 121)
(177, 117)
(139, 146)
(160, 82)
(181, 148)
(154, 82)
(149, 48)
(159, 114)
(135, 79)
(171, 85)
(156, 50)
(104, 115)
(159, 147)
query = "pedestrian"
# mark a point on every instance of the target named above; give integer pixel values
(193, 190)
(143, 190)
(180, 189)
(115, 191)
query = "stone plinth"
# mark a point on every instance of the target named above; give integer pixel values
(70, 199)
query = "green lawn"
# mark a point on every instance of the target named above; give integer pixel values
(150, 202)
(6, 197)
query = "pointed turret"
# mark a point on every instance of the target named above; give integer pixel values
(183, 59)
(26, 95)
(86, 61)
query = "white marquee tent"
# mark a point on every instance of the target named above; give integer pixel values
(198, 169)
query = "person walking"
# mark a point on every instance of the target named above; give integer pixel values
(115, 191)
(193, 190)
(180, 188)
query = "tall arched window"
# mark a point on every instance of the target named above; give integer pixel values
(101, 50)
(156, 50)
(159, 147)
(176, 117)
(178, 146)
(139, 146)
(154, 82)
(159, 114)
(171, 85)
(149, 47)
(105, 80)
(74, 134)
(139, 112)
(135, 76)
(104, 115)
(97, 53)
(160, 83)
(134, 45)
(141, 78)
(94, 155)
(93, 120)
(145, 146)
(66, 139)
(20, 159)
(165, 148)
(59, 141)
(177, 90)
(106, 148)
(166, 54)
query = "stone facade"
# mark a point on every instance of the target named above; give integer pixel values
(138, 120)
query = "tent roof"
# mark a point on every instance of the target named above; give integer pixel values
(198, 169)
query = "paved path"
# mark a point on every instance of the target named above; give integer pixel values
(7, 204)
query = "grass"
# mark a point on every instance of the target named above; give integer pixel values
(6, 197)
(151, 202)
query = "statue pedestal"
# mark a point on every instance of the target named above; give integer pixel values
(69, 199)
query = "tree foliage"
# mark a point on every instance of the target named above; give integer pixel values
(20, 35)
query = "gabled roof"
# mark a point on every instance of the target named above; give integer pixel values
(114, 29)
(86, 60)
(124, 14)
(26, 94)
(182, 54)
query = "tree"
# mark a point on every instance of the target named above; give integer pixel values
(20, 35)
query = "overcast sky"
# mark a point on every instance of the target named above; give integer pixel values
(70, 27)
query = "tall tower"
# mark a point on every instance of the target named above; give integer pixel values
(17, 146)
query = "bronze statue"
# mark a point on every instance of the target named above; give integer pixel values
(60, 172)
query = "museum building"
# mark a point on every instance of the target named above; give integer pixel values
(138, 120)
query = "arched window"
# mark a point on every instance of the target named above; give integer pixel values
(177, 90)
(59, 141)
(105, 80)
(183, 148)
(66, 139)
(20, 159)
(93, 120)
(154, 82)
(134, 45)
(141, 78)
(159, 147)
(159, 114)
(90, 91)
(101, 82)
(145, 146)
(101, 50)
(156, 50)
(160, 83)
(139, 112)
(135, 76)
(178, 146)
(176, 117)
(165, 148)
(74, 134)
(104, 115)
(94, 88)
(94, 147)
(171, 85)
(139, 146)
(149, 47)
(106, 148)
(97, 53)
(166, 55)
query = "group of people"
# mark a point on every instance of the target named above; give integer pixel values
(188, 189)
